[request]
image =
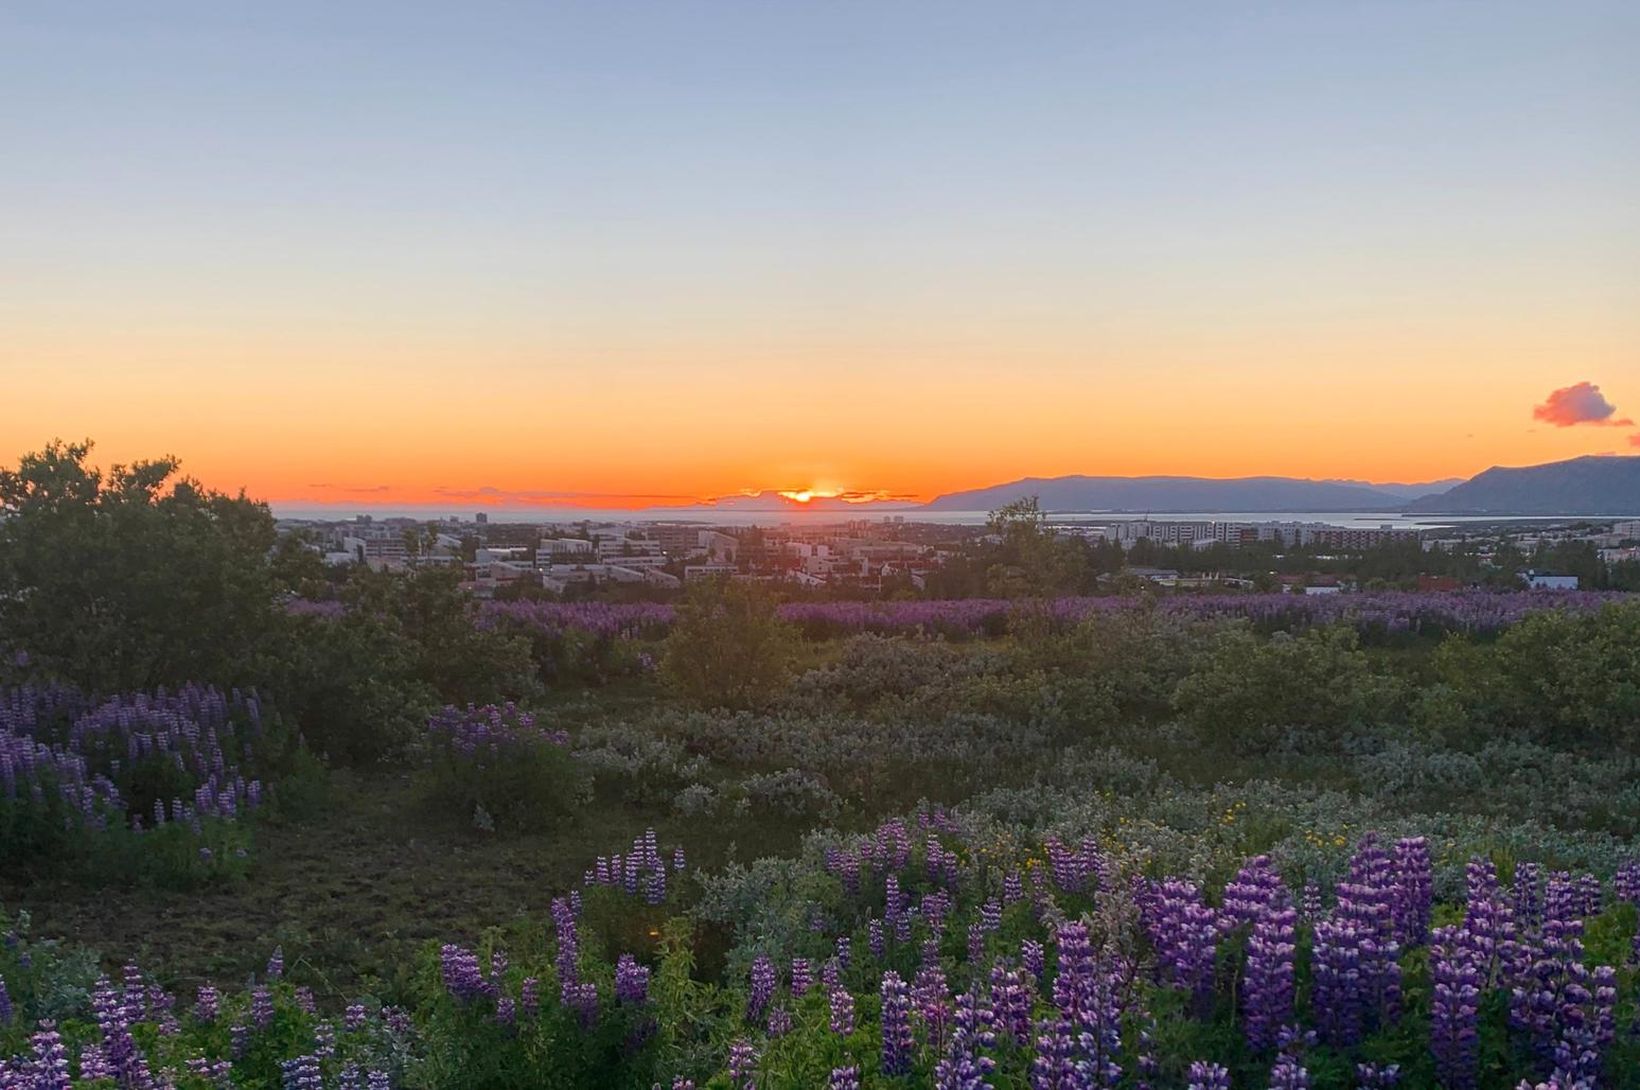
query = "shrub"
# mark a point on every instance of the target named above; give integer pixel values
(1249, 691)
(728, 648)
(498, 761)
(1557, 676)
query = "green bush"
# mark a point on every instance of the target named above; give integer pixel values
(1250, 694)
(728, 648)
(495, 767)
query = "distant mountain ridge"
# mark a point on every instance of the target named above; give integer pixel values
(1177, 494)
(1593, 485)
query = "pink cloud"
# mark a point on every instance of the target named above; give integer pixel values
(1582, 403)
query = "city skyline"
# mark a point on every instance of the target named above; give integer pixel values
(632, 256)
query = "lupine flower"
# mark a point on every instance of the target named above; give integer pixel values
(1268, 990)
(276, 963)
(844, 1078)
(261, 1007)
(1011, 1000)
(529, 996)
(1414, 883)
(1185, 932)
(802, 976)
(354, 1018)
(742, 1066)
(763, 983)
(780, 1021)
(1289, 1074)
(50, 1067)
(302, 1073)
(1208, 1076)
(896, 1025)
(1454, 1014)
(842, 1011)
(930, 999)
(1034, 958)
(631, 981)
(964, 1067)
(6, 1009)
(1054, 1066)
(1377, 1077)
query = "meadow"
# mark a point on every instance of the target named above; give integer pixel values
(1190, 842)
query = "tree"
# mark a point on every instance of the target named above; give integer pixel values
(1031, 560)
(134, 578)
(728, 648)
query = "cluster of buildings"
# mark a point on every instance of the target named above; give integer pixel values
(662, 555)
(859, 555)
(1291, 534)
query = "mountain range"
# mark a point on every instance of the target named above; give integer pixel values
(1594, 485)
(1177, 494)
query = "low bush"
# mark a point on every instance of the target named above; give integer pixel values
(494, 766)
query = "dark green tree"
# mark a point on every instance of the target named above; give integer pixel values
(135, 577)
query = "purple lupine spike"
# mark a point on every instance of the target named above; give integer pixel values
(802, 977)
(1289, 1074)
(1011, 999)
(842, 1011)
(875, 940)
(965, 1067)
(742, 1066)
(276, 963)
(301, 1073)
(1454, 1013)
(896, 1025)
(844, 1078)
(631, 981)
(1268, 990)
(1377, 1076)
(1413, 891)
(354, 1018)
(1208, 1076)
(779, 1021)
(1054, 1067)
(1034, 958)
(930, 1000)
(261, 1007)
(1185, 932)
(50, 1064)
(6, 1009)
(529, 997)
(764, 980)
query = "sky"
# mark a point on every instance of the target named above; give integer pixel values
(620, 254)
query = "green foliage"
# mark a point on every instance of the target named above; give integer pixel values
(134, 578)
(350, 684)
(1556, 677)
(1249, 693)
(528, 784)
(728, 648)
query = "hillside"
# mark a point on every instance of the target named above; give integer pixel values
(1593, 485)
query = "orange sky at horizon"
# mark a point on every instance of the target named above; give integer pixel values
(354, 421)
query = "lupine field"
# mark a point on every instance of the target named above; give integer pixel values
(262, 829)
